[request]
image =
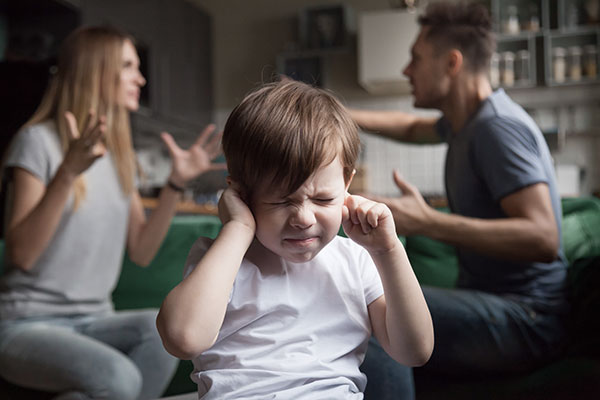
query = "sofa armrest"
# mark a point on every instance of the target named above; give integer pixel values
(147, 287)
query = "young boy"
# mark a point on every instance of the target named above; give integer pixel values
(278, 305)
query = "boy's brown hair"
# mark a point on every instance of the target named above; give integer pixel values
(284, 131)
(465, 26)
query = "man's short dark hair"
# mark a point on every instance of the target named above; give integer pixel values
(465, 26)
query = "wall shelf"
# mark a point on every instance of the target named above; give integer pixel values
(540, 27)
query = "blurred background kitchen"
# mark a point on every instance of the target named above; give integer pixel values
(201, 57)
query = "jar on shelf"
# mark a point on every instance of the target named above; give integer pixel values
(590, 61)
(559, 64)
(495, 70)
(510, 24)
(532, 23)
(522, 67)
(507, 68)
(574, 62)
(572, 15)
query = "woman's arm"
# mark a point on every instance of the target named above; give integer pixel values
(34, 213)
(144, 236)
(34, 210)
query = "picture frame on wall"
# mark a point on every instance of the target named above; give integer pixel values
(325, 28)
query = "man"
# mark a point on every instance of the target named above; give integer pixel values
(506, 313)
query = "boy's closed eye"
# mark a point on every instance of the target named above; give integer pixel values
(325, 200)
(283, 202)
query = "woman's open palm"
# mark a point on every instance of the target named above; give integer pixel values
(198, 159)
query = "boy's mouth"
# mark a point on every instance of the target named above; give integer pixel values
(301, 241)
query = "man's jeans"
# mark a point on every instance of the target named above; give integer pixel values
(476, 333)
(115, 356)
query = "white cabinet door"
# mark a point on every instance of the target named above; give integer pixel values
(384, 42)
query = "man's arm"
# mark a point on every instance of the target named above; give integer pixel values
(397, 125)
(529, 233)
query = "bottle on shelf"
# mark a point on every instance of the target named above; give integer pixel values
(495, 70)
(532, 23)
(574, 63)
(559, 64)
(572, 15)
(507, 68)
(590, 61)
(522, 67)
(511, 23)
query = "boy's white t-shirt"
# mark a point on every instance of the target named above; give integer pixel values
(294, 330)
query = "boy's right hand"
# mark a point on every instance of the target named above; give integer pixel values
(233, 208)
(84, 147)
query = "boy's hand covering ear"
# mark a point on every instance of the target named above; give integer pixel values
(369, 224)
(233, 208)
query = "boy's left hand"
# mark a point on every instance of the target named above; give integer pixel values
(369, 224)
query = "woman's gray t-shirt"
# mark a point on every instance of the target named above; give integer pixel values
(78, 270)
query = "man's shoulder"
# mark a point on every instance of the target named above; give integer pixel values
(500, 120)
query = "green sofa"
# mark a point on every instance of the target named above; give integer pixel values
(576, 375)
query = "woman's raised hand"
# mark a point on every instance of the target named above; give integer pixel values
(84, 147)
(189, 164)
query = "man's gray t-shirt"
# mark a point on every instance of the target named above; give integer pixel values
(498, 152)
(78, 270)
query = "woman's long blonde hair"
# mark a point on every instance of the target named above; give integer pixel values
(89, 67)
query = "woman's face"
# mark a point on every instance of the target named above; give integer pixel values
(131, 79)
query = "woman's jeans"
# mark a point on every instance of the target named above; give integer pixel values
(476, 334)
(109, 356)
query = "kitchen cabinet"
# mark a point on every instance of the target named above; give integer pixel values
(559, 37)
(384, 42)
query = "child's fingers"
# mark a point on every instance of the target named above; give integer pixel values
(346, 220)
(352, 204)
(358, 208)
(345, 214)
(361, 212)
(365, 212)
(375, 213)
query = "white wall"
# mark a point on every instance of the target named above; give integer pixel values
(248, 35)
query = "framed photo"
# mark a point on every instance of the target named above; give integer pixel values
(307, 68)
(325, 28)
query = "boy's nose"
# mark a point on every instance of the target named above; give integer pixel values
(303, 217)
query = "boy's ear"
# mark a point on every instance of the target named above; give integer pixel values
(350, 179)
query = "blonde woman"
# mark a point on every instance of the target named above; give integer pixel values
(73, 209)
